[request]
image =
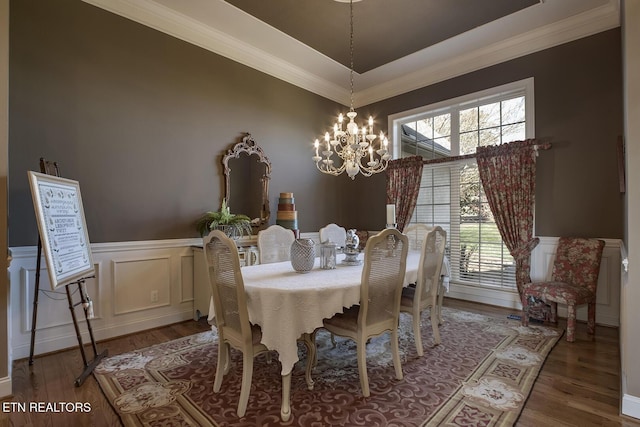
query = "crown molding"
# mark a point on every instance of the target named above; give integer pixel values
(569, 29)
(224, 30)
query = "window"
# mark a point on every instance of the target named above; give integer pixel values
(451, 194)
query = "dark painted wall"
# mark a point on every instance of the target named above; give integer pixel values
(142, 119)
(578, 107)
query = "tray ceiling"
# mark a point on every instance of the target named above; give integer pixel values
(399, 45)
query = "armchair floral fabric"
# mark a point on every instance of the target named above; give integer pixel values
(574, 281)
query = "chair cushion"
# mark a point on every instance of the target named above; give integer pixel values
(408, 294)
(347, 320)
(560, 292)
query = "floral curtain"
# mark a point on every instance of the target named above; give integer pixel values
(403, 186)
(508, 175)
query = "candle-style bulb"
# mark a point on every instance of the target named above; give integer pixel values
(340, 118)
(370, 120)
(316, 143)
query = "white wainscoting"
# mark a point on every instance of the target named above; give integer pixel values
(142, 285)
(608, 296)
(137, 286)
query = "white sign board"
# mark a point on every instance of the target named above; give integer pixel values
(63, 230)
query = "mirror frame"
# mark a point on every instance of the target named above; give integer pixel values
(249, 146)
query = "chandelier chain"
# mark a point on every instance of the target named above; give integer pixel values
(351, 51)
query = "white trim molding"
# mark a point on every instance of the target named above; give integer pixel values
(630, 406)
(221, 28)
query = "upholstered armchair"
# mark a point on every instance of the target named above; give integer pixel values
(574, 281)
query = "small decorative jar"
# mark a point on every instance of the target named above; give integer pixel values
(303, 255)
(328, 256)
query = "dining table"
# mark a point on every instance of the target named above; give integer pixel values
(288, 305)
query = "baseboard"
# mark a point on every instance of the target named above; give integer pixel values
(69, 341)
(5, 387)
(631, 406)
(497, 297)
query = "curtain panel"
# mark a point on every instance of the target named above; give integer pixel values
(508, 176)
(403, 185)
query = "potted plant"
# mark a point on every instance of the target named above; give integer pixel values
(233, 225)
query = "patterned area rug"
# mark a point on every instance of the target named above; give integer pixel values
(480, 375)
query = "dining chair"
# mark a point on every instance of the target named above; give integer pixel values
(385, 258)
(574, 281)
(415, 300)
(333, 233)
(231, 313)
(416, 234)
(274, 244)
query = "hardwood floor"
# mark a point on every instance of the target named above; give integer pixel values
(579, 384)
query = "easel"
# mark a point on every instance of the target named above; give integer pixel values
(51, 168)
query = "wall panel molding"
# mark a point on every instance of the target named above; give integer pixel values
(171, 275)
(171, 263)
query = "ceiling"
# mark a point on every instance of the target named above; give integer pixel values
(399, 45)
(381, 34)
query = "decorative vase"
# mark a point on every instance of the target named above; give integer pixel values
(303, 255)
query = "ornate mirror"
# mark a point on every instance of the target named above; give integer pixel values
(248, 191)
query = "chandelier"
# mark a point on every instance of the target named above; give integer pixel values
(353, 145)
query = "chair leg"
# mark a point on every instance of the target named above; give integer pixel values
(396, 353)
(227, 359)
(591, 319)
(441, 292)
(554, 312)
(222, 364)
(436, 330)
(571, 322)
(362, 367)
(245, 388)
(525, 312)
(417, 336)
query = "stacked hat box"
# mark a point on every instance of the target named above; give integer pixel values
(287, 215)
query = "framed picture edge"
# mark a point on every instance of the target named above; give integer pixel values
(56, 281)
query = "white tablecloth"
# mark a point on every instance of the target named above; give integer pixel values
(287, 304)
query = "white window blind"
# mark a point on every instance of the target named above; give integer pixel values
(451, 194)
